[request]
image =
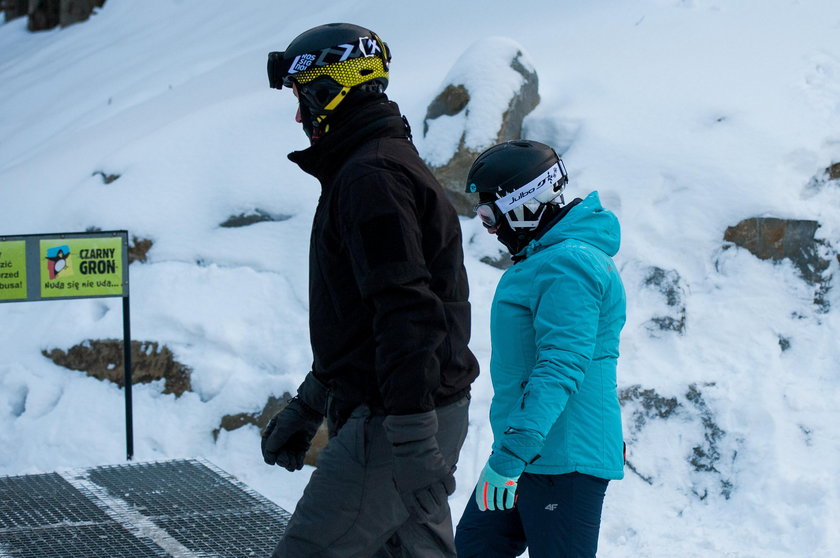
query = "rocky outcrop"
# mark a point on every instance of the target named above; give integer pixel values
(107, 177)
(138, 250)
(251, 218)
(770, 238)
(103, 359)
(13, 9)
(47, 14)
(833, 171)
(483, 101)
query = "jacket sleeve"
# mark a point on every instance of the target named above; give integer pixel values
(379, 218)
(566, 308)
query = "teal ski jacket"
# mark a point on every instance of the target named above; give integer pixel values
(555, 324)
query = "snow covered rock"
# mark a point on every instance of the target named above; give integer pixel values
(770, 238)
(830, 176)
(482, 101)
(672, 290)
(700, 457)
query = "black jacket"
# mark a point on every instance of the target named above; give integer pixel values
(388, 312)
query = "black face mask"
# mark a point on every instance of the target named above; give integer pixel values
(312, 99)
(307, 121)
(513, 239)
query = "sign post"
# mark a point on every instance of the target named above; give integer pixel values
(67, 266)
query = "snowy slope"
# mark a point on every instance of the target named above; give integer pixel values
(687, 115)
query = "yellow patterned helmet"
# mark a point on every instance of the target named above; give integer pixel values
(325, 63)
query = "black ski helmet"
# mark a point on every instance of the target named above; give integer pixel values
(326, 63)
(516, 180)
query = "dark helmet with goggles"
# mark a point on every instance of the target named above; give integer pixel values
(515, 182)
(326, 63)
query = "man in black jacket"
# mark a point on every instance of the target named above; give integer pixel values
(389, 317)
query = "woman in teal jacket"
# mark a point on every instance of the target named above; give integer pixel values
(555, 324)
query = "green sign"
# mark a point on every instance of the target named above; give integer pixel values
(12, 270)
(63, 265)
(81, 267)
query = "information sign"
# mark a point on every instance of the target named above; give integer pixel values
(12, 270)
(81, 267)
(71, 265)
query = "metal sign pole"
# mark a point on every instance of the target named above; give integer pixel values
(129, 421)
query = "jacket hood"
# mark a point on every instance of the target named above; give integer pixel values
(588, 222)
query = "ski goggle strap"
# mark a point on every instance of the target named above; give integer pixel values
(281, 70)
(543, 189)
(522, 217)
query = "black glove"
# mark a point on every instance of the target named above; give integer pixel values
(287, 436)
(421, 474)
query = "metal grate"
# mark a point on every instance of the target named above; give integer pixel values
(44, 515)
(182, 508)
(106, 540)
(38, 500)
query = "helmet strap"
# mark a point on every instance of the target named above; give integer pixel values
(335, 101)
(516, 238)
(314, 115)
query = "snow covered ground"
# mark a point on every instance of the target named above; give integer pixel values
(687, 115)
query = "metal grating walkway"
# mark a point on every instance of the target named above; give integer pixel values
(181, 509)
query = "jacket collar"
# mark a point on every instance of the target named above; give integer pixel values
(587, 221)
(534, 244)
(377, 118)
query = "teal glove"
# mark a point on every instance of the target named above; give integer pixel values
(495, 491)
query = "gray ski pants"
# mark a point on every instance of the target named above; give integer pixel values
(351, 507)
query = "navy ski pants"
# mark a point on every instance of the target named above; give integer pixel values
(556, 516)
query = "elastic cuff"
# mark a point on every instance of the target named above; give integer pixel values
(523, 444)
(408, 428)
